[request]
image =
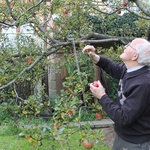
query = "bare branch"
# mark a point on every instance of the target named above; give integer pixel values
(102, 39)
(97, 36)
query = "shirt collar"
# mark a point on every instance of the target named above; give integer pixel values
(134, 68)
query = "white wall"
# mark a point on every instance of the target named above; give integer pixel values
(24, 30)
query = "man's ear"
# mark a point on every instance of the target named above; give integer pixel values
(135, 57)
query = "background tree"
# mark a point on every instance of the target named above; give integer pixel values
(71, 20)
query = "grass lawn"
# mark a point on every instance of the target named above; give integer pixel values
(18, 143)
(10, 139)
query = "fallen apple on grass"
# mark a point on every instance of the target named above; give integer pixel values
(88, 144)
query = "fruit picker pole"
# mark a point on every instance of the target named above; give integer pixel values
(78, 66)
(76, 57)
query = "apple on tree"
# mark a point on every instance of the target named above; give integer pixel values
(65, 11)
(70, 112)
(119, 12)
(124, 3)
(30, 61)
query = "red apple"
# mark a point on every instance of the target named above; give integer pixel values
(119, 12)
(124, 3)
(30, 61)
(95, 83)
(87, 144)
(65, 11)
(98, 116)
(70, 112)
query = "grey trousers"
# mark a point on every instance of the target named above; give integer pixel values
(120, 144)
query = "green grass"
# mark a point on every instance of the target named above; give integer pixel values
(10, 139)
(15, 143)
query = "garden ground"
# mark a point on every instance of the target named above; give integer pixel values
(109, 136)
(14, 142)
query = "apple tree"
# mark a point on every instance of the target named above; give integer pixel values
(61, 27)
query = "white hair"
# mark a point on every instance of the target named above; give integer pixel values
(143, 49)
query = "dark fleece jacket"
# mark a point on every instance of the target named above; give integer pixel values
(131, 112)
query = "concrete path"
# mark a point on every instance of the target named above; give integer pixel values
(104, 123)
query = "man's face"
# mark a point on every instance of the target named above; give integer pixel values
(129, 53)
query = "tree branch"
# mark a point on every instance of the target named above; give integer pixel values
(145, 10)
(22, 72)
(137, 14)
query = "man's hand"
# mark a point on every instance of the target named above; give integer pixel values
(91, 52)
(99, 91)
(88, 49)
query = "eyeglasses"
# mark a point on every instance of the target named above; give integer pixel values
(130, 46)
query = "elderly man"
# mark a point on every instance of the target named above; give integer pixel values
(131, 112)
